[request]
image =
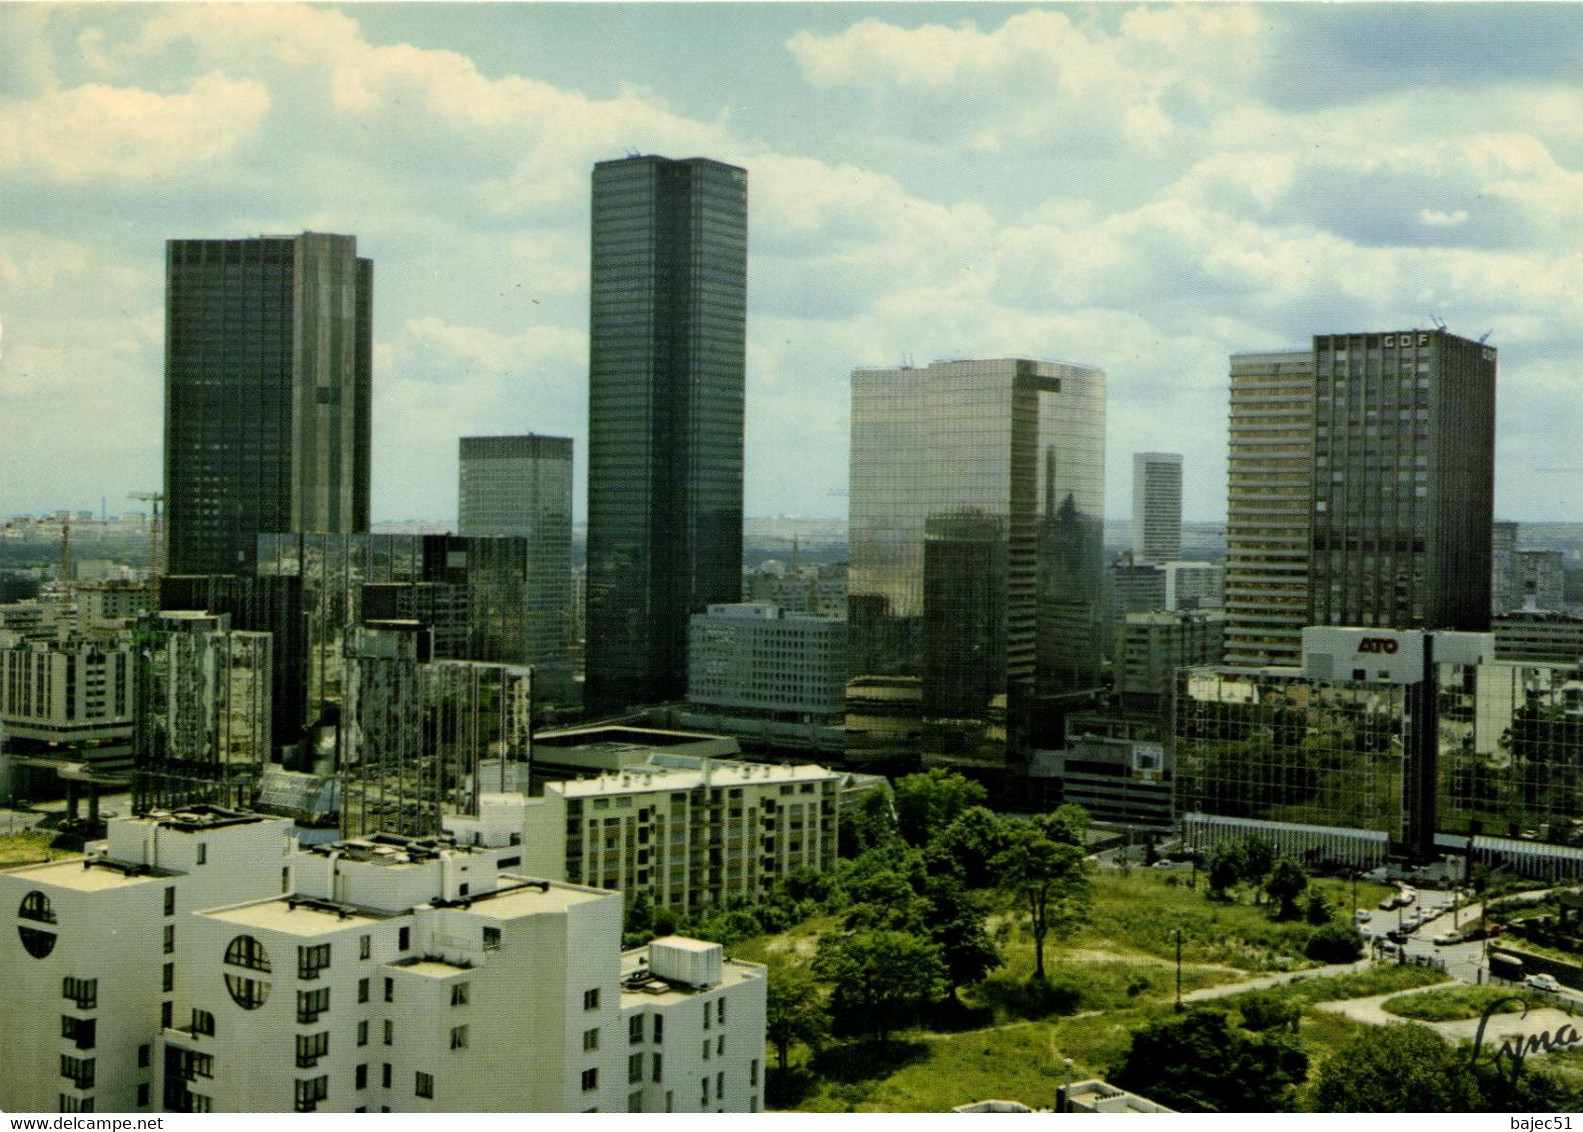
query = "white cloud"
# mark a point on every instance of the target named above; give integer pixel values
(92, 132)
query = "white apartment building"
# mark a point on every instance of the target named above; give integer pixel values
(97, 957)
(689, 837)
(75, 689)
(755, 658)
(413, 976)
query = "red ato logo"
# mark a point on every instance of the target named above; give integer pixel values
(1379, 644)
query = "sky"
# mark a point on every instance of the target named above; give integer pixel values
(1143, 188)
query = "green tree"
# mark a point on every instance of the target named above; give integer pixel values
(1258, 858)
(1285, 882)
(880, 979)
(1335, 942)
(968, 845)
(927, 803)
(1068, 824)
(956, 926)
(1226, 867)
(1317, 909)
(1402, 1068)
(1196, 1062)
(1266, 1010)
(1045, 879)
(871, 824)
(794, 1012)
(886, 900)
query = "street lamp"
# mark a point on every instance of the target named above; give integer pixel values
(1178, 934)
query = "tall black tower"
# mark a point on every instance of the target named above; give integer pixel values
(667, 346)
(268, 376)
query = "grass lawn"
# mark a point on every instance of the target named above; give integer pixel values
(1111, 976)
(17, 848)
(1447, 1004)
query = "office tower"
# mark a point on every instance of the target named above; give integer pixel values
(1361, 489)
(1504, 594)
(521, 486)
(666, 362)
(1156, 506)
(1268, 506)
(1541, 579)
(202, 711)
(268, 364)
(414, 730)
(1404, 480)
(976, 575)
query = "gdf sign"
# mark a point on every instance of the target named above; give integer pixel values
(1386, 645)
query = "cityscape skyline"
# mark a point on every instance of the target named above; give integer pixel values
(1174, 242)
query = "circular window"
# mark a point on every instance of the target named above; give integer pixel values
(38, 944)
(249, 994)
(36, 906)
(245, 951)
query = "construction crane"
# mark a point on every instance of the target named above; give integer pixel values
(155, 498)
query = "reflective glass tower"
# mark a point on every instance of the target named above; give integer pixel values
(521, 487)
(977, 566)
(667, 342)
(268, 371)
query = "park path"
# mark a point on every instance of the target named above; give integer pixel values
(1501, 1026)
(1280, 978)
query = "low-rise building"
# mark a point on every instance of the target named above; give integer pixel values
(96, 961)
(689, 837)
(415, 976)
(1150, 647)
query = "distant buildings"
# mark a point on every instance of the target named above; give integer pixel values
(755, 659)
(521, 487)
(1504, 595)
(667, 341)
(1150, 647)
(1541, 579)
(974, 591)
(1156, 506)
(1361, 490)
(268, 380)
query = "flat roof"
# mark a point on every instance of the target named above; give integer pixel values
(76, 874)
(531, 896)
(648, 776)
(279, 915)
(733, 972)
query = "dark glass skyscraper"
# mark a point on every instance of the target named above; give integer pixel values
(666, 373)
(268, 375)
(521, 487)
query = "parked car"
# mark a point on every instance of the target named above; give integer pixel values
(1542, 982)
(1362, 916)
(1390, 947)
(1445, 939)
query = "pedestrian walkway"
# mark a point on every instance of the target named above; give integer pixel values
(1263, 982)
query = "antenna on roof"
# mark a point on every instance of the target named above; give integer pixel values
(632, 152)
(1485, 335)
(1440, 323)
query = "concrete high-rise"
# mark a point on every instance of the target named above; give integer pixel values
(521, 486)
(1505, 592)
(1269, 506)
(666, 373)
(1156, 506)
(268, 375)
(1361, 489)
(974, 592)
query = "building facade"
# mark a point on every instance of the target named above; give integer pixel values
(521, 487)
(412, 976)
(268, 388)
(666, 372)
(1150, 647)
(1361, 489)
(202, 711)
(1156, 506)
(688, 838)
(757, 659)
(1504, 595)
(1541, 580)
(977, 572)
(1269, 506)
(98, 960)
